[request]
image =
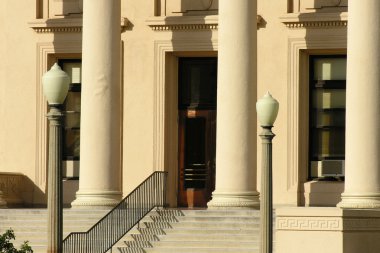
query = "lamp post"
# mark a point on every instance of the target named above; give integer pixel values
(267, 109)
(55, 87)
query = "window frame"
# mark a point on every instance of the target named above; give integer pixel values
(312, 86)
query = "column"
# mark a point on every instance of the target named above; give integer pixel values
(362, 179)
(236, 115)
(100, 151)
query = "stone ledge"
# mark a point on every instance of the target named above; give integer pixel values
(186, 23)
(315, 20)
(64, 25)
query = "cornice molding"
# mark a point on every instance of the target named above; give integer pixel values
(185, 23)
(315, 20)
(64, 25)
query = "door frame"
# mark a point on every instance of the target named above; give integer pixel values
(165, 118)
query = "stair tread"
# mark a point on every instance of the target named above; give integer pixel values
(169, 230)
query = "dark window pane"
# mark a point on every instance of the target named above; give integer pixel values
(198, 79)
(328, 118)
(327, 144)
(71, 107)
(71, 144)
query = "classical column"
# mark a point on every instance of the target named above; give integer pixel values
(100, 157)
(362, 179)
(236, 116)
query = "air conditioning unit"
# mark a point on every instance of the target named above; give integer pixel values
(327, 168)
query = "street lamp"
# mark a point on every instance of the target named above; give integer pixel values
(55, 84)
(267, 109)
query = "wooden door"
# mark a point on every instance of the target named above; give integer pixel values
(197, 130)
(197, 157)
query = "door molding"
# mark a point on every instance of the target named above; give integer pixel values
(165, 112)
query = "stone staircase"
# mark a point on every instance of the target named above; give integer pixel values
(163, 230)
(188, 231)
(31, 224)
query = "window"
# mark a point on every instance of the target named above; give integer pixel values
(327, 116)
(198, 83)
(71, 123)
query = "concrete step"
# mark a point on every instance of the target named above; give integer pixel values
(204, 219)
(201, 250)
(215, 225)
(226, 243)
(249, 237)
(31, 224)
(213, 212)
(169, 230)
(201, 231)
(182, 230)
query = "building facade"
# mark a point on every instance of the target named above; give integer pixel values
(165, 56)
(169, 85)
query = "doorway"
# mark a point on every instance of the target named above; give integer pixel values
(197, 84)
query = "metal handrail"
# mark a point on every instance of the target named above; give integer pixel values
(122, 218)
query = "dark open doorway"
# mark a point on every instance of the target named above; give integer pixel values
(197, 130)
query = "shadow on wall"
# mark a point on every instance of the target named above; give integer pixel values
(18, 190)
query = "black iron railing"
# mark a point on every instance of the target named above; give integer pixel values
(114, 225)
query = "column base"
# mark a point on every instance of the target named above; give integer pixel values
(224, 200)
(100, 199)
(360, 201)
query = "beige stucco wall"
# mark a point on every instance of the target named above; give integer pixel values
(22, 108)
(272, 77)
(138, 94)
(18, 90)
